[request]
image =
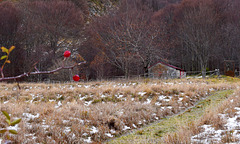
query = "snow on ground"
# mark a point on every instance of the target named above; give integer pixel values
(108, 134)
(161, 101)
(88, 140)
(93, 130)
(29, 116)
(126, 128)
(211, 135)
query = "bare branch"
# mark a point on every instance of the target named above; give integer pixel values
(40, 72)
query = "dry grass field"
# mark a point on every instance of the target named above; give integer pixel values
(95, 112)
(218, 124)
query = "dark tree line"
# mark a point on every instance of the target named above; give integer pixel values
(120, 38)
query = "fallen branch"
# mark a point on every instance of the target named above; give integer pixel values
(39, 72)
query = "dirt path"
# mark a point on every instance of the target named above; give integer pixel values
(154, 132)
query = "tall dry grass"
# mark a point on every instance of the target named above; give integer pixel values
(67, 116)
(212, 116)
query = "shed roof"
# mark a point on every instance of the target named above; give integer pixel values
(177, 68)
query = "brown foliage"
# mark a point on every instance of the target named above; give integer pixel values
(191, 34)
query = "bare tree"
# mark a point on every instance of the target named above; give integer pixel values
(10, 18)
(99, 65)
(48, 28)
(230, 48)
(200, 29)
(129, 35)
(10, 21)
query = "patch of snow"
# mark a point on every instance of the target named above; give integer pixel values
(108, 134)
(81, 121)
(30, 135)
(59, 96)
(158, 104)
(58, 105)
(67, 130)
(88, 140)
(45, 126)
(180, 99)
(87, 86)
(30, 116)
(162, 97)
(232, 123)
(93, 130)
(134, 126)
(5, 103)
(103, 96)
(119, 96)
(84, 134)
(121, 112)
(211, 89)
(168, 83)
(167, 100)
(112, 131)
(66, 121)
(238, 109)
(126, 128)
(13, 127)
(210, 135)
(73, 135)
(82, 98)
(87, 103)
(125, 85)
(148, 101)
(141, 93)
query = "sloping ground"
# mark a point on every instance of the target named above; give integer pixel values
(155, 132)
(220, 125)
(98, 111)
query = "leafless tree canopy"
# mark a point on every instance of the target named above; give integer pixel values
(120, 38)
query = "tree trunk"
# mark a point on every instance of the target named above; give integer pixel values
(203, 67)
(239, 70)
(70, 75)
(146, 71)
(126, 73)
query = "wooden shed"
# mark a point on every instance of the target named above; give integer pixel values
(165, 71)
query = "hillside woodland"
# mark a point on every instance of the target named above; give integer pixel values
(119, 38)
